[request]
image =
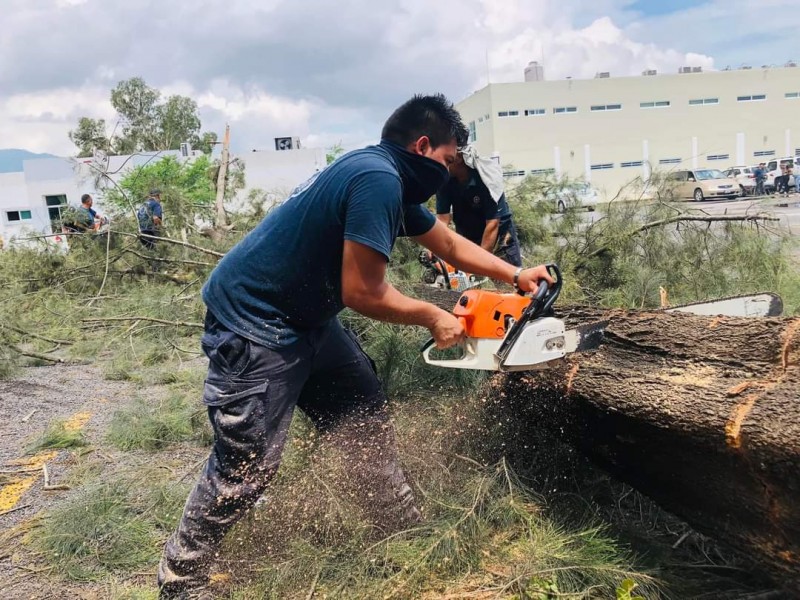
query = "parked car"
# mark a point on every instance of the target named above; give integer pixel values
(744, 177)
(699, 184)
(578, 195)
(774, 170)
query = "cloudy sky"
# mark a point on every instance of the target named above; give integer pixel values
(333, 71)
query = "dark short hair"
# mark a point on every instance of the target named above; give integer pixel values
(433, 116)
(155, 192)
(85, 198)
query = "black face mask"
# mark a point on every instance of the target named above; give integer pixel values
(422, 177)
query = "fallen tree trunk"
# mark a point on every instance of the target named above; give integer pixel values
(702, 414)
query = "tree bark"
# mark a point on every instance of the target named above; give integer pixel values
(702, 414)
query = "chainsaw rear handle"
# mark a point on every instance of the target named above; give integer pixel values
(545, 295)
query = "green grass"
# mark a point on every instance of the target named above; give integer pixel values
(97, 532)
(154, 424)
(57, 437)
(113, 525)
(488, 533)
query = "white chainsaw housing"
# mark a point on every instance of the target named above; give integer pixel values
(539, 342)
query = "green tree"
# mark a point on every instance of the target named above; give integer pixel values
(137, 106)
(334, 152)
(90, 135)
(178, 122)
(187, 191)
(145, 123)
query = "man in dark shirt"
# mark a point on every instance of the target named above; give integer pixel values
(275, 344)
(150, 216)
(477, 216)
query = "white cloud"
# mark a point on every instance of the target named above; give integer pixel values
(334, 71)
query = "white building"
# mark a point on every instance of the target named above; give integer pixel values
(610, 130)
(31, 199)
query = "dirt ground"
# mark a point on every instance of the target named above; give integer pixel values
(84, 399)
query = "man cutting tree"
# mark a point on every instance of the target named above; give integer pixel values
(274, 341)
(475, 197)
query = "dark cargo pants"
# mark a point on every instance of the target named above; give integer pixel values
(251, 393)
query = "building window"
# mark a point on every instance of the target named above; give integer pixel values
(480, 119)
(797, 151)
(670, 161)
(565, 109)
(764, 153)
(602, 166)
(472, 133)
(755, 98)
(13, 216)
(597, 107)
(486, 117)
(55, 204)
(631, 163)
(534, 112)
(514, 174)
(543, 171)
(508, 113)
(792, 95)
(657, 104)
(718, 157)
(701, 101)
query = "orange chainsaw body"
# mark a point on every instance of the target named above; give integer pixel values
(486, 314)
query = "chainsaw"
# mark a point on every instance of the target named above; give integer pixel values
(442, 275)
(517, 332)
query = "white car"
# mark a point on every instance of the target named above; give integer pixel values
(774, 170)
(744, 177)
(579, 195)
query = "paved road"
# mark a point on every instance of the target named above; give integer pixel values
(787, 209)
(789, 213)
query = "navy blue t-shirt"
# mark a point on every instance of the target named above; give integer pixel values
(151, 208)
(285, 277)
(472, 205)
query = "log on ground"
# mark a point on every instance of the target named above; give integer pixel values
(702, 414)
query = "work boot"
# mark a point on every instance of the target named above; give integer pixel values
(172, 586)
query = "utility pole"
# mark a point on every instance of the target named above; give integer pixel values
(222, 218)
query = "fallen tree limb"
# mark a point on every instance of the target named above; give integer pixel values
(197, 263)
(37, 355)
(171, 241)
(699, 413)
(687, 218)
(36, 335)
(149, 319)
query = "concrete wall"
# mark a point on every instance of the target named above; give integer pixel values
(631, 136)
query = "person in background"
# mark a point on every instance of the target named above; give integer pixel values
(150, 217)
(760, 174)
(797, 175)
(473, 198)
(87, 219)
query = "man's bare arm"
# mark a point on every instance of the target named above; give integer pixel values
(469, 257)
(365, 290)
(490, 234)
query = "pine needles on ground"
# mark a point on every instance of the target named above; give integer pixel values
(57, 436)
(152, 426)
